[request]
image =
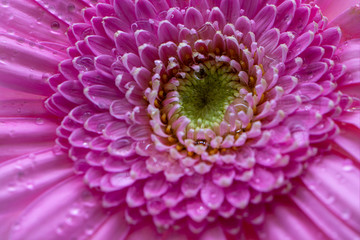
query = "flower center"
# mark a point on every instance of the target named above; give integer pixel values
(205, 93)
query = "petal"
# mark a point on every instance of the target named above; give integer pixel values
(264, 19)
(23, 19)
(340, 193)
(99, 45)
(64, 209)
(314, 208)
(21, 182)
(125, 10)
(284, 219)
(347, 21)
(167, 32)
(348, 140)
(334, 9)
(230, 9)
(193, 18)
(18, 130)
(143, 230)
(212, 195)
(102, 96)
(114, 226)
(66, 12)
(29, 70)
(144, 10)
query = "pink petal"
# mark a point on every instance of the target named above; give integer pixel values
(193, 18)
(333, 10)
(22, 19)
(340, 193)
(264, 19)
(284, 218)
(316, 210)
(23, 183)
(63, 210)
(113, 226)
(212, 195)
(230, 9)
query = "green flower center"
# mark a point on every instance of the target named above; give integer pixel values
(206, 93)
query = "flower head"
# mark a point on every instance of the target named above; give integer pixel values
(200, 117)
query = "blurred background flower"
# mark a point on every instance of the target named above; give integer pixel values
(168, 119)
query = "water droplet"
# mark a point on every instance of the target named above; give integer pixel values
(89, 231)
(45, 77)
(11, 187)
(55, 25)
(57, 150)
(69, 220)
(101, 126)
(86, 141)
(312, 187)
(75, 211)
(346, 215)
(87, 199)
(16, 226)
(20, 40)
(353, 109)
(60, 230)
(5, 3)
(71, 8)
(348, 168)
(30, 185)
(39, 121)
(330, 199)
(84, 63)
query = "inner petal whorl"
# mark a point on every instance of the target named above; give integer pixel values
(205, 94)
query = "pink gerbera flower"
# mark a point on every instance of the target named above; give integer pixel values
(169, 119)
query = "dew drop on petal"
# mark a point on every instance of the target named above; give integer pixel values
(12, 187)
(5, 3)
(55, 25)
(346, 215)
(39, 121)
(71, 8)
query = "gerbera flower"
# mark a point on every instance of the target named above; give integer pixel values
(168, 119)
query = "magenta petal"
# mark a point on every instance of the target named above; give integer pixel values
(155, 187)
(316, 211)
(20, 16)
(230, 9)
(69, 219)
(125, 10)
(148, 54)
(284, 218)
(113, 226)
(167, 32)
(193, 18)
(122, 147)
(51, 169)
(264, 19)
(331, 191)
(125, 42)
(262, 180)
(212, 195)
(101, 96)
(99, 45)
(218, 16)
(144, 10)
(347, 22)
(191, 185)
(197, 210)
